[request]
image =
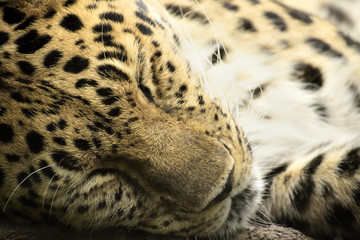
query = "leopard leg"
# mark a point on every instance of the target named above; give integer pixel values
(318, 194)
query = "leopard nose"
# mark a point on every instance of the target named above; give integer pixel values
(226, 190)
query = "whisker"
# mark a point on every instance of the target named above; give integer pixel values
(52, 201)
(46, 189)
(27, 177)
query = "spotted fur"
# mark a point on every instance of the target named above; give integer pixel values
(178, 117)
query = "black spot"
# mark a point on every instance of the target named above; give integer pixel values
(71, 22)
(19, 97)
(155, 43)
(6, 133)
(354, 90)
(4, 37)
(147, 93)
(52, 58)
(24, 81)
(323, 48)
(92, 6)
(276, 20)
(300, 15)
(69, 3)
(59, 140)
(28, 202)
(131, 213)
(102, 28)
(112, 54)
(84, 82)
(35, 142)
(187, 12)
(302, 193)
(114, 112)
(31, 42)
(5, 74)
(82, 144)
(313, 165)
(170, 66)
(304, 188)
(145, 18)
(350, 163)
(258, 91)
(29, 113)
(101, 205)
(230, 6)
(26, 67)
(76, 64)
(112, 72)
(309, 75)
(51, 13)
(12, 157)
(338, 15)
(254, 2)
(97, 142)
(107, 40)
(119, 135)
(28, 21)
(176, 39)
(6, 55)
(62, 124)
(142, 6)
(82, 209)
(348, 40)
(21, 177)
(320, 109)
(131, 120)
(201, 100)
(245, 24)
(78, 42)
(65, 160)
(219, 54)
(51, 127)
(144, 29)
(183, 88)
(271, 175)
(92, 128)
(118, 195)
(104, 92)
(112, 16)
(12, 15)
(110, 100)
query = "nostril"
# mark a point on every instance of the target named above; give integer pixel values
(226, 190)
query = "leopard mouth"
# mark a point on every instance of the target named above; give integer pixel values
(244, 206)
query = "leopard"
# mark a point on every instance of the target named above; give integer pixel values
(193, 118)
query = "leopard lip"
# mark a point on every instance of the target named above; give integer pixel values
(226, 190)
